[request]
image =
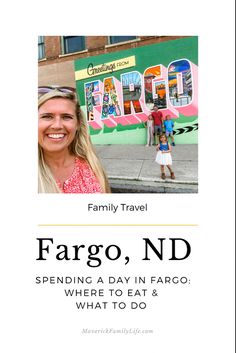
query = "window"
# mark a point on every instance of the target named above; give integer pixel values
(72, 44)
(118, 39)
(41, 48)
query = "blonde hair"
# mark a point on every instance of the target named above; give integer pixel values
(81, 147)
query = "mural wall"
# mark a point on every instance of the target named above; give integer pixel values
(118, 90)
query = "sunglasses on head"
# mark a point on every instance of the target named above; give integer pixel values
(64, 89)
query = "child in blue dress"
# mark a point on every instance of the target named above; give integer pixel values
(163, 157)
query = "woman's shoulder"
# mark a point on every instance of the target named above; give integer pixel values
(83, 179)
(81, 162)
(82, 165)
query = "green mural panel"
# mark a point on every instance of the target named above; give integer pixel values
(186, 133)
(186, 127)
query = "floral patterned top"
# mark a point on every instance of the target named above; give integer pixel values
(81, 181)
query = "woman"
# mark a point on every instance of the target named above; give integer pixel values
(67, 160)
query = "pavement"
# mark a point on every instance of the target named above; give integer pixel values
(132, 169)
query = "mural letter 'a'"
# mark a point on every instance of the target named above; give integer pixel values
(110, 104)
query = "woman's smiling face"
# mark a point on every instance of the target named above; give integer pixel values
(57, 124)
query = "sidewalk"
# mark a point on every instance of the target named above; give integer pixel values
(132, 169)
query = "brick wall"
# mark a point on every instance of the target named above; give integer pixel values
(61, 74)
(59, 69)
(93, 42)
(96, 45)
(52, 47)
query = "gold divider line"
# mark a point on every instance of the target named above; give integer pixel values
(118, 225)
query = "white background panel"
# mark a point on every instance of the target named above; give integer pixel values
(191, 318)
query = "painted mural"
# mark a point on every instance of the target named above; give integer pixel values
(119, 93)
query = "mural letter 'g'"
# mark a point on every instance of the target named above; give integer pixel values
(156, 89)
